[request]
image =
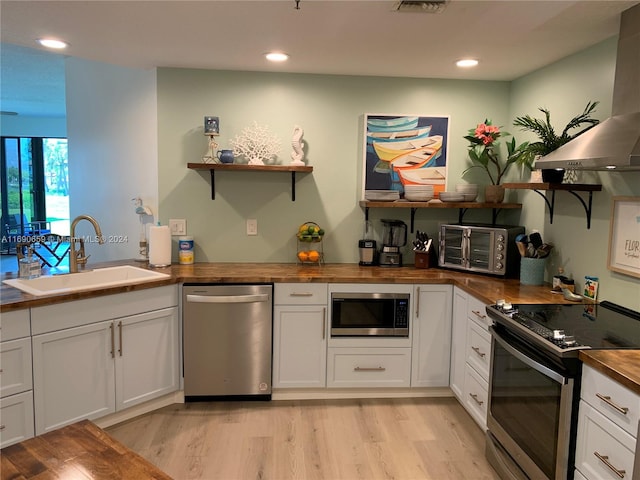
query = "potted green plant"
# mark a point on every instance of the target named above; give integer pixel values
(549, 140)
(484, 153)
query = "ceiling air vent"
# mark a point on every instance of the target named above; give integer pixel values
(431, 6)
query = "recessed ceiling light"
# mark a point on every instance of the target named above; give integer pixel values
(53, 43)
(277, 57)
(467, 62)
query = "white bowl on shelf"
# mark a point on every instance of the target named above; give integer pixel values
(418, 197)
(467, 188)
(451, 197)
(469, 197)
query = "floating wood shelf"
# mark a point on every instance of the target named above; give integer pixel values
(212, 167)
(461, 206)
(571, 188)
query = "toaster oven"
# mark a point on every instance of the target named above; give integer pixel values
(480, 248)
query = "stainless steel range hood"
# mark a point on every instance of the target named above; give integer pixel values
(614, 144)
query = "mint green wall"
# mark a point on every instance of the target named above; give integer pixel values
(565, 88)
(330, 109)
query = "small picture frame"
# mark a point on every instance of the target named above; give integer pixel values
(624, 236)
(211, 125)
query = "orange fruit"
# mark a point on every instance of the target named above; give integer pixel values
(313, 256)
(303, 256)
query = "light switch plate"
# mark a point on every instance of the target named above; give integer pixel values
(252, 226)
(178, 226)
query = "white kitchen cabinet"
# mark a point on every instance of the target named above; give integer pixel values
(470, 355)
(16, 418)
(431, 342)
(300, 335)
(369, 367)
(15, 362)
(458, 342)
(607, 428)
(74, 375)
(147, 360)
(16, 380)
(94, 368)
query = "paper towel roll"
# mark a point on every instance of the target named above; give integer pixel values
(159, 246)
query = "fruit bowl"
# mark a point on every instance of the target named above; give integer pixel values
(309, 237)
(310, 232)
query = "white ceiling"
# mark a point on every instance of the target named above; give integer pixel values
(346, 37)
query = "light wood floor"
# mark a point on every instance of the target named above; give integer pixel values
(398, 439)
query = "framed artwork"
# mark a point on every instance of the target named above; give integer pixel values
(624, 236)
(404, 150)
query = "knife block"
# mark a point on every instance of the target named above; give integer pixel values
(422, 259)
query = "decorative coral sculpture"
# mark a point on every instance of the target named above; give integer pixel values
(256, 144)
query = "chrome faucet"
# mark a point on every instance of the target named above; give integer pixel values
(78, 257)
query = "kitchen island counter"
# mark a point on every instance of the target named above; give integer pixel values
(483, 287)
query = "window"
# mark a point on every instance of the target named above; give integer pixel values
(34, 181)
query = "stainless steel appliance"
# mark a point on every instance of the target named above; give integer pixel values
(394, 237)
(367, 246)
(480, 248)
(534, 381)
(227, 332)
(369, 314)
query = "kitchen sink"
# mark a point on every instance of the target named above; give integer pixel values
(89, 280)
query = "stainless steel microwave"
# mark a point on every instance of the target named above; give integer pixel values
(369, 314)
(480, 248)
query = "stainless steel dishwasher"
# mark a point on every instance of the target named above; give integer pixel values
(227, 332)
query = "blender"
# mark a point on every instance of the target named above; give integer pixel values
(367, 246)
(394, 236)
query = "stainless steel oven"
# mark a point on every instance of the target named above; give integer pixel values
(359, 314)
(534, 381)
(531, 404)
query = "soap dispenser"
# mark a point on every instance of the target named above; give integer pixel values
(29, 266)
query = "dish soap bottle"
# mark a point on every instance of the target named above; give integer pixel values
(29, 266)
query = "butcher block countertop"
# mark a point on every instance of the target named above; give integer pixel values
(79, 451)
(486, 288)
(623, 366)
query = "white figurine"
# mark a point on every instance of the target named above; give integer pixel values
(256, 144)
(298, 146)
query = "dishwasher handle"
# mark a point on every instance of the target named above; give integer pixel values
(263, 297)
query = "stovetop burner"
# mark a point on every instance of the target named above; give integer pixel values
(564, 329)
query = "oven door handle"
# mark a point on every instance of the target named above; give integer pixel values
(527, 360)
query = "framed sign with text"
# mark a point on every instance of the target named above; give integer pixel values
(624, 236)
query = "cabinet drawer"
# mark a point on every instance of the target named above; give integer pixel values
(477, 311)
(478, 349)
(369, 367)
(602, 448)
(16, 413)
(613, 400)
(15, 362)
(300, 293)
(476, 396)
(15, 324)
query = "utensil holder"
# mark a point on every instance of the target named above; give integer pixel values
(532, 271)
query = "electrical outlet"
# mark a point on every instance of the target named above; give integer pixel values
(178, 226)
(252, 226)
